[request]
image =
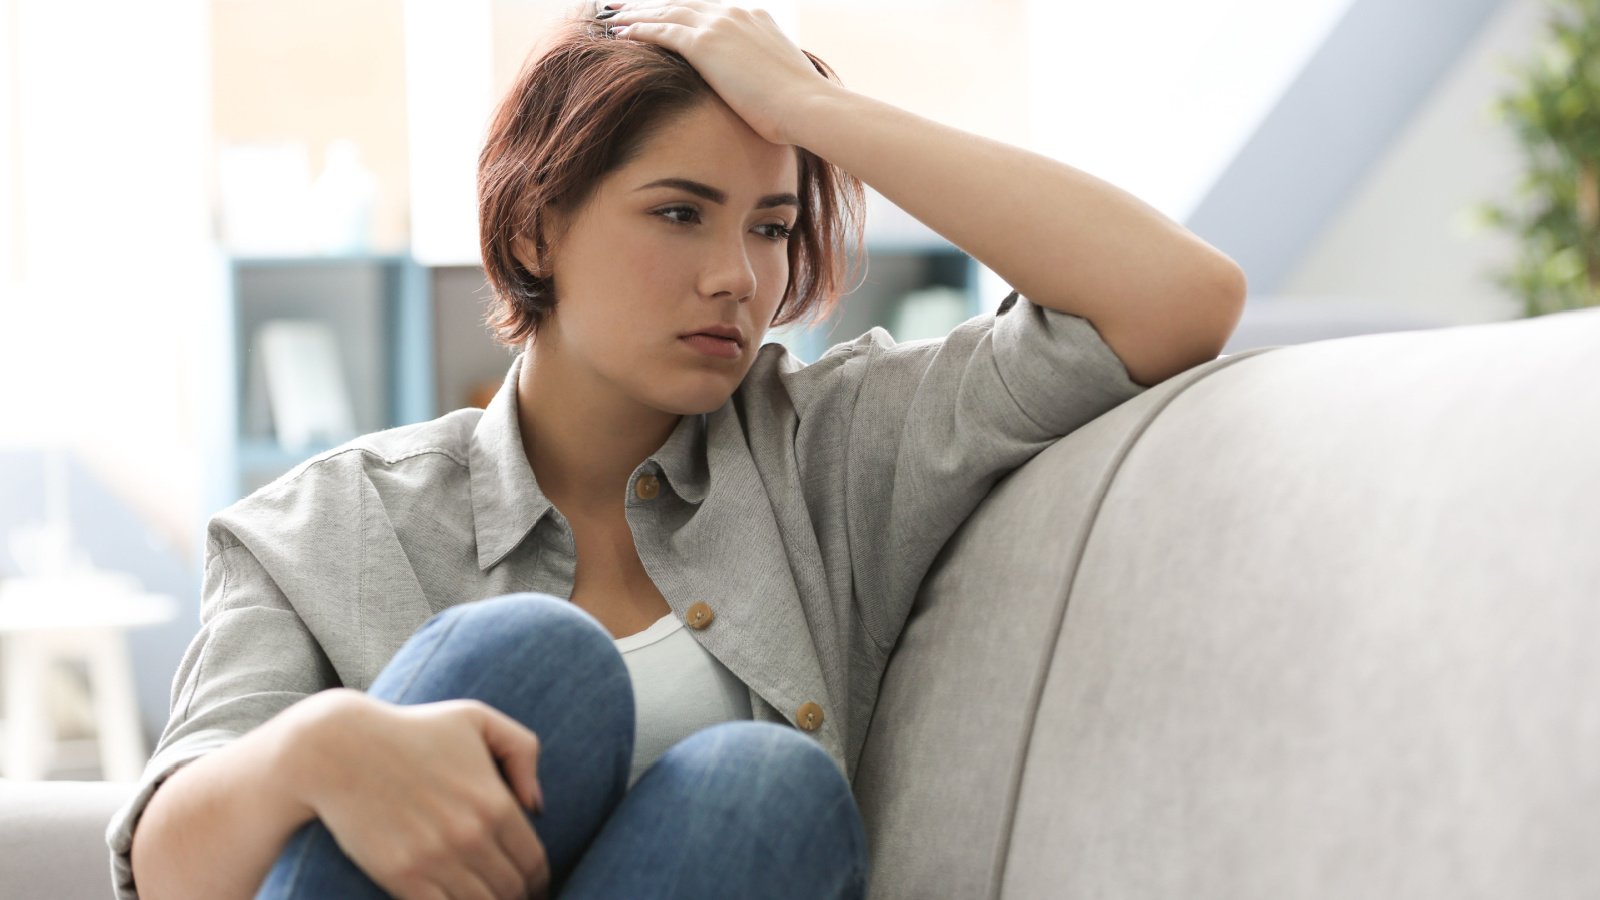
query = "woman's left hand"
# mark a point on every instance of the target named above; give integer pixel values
(762, 76)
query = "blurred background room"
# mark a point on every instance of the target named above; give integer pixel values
(236, 232)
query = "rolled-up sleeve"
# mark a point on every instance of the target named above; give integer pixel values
(252, 658)
(937, 422)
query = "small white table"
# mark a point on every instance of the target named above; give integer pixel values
(84, 616)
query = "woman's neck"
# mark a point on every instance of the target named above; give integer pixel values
(582, 439)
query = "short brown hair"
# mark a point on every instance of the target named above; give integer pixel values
(583, 106)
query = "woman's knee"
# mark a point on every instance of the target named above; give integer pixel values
(513, 642)
(764, 778)
(759, 757)
(516, 622)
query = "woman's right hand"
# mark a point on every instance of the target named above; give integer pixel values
(412, 795)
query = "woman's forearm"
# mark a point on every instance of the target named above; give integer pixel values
(1058, 235)
(1061, 237)
(216, 826)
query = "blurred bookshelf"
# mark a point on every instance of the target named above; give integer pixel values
(411, 344)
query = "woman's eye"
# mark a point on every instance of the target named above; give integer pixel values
(773, 231)
(778, 232)
(667, 213)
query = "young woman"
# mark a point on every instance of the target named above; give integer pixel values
(621, 633)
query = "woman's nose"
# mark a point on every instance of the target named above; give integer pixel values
(729, 272)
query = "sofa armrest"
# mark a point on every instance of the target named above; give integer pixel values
(958, 699)
(52, 838)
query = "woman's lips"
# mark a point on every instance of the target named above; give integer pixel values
(712, 346)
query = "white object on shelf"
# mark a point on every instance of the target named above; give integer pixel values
(341, 202)
(83, 615)
(297, 362)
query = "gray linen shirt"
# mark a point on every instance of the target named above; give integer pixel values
(805, 511)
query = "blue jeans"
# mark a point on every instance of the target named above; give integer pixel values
(739, 809)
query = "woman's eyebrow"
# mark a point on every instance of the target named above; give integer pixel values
(720, 198)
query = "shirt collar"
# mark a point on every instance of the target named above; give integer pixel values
(506, 500)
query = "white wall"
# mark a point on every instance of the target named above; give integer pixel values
(111, 289)
(1158, 97)
(1403, 245)
(110, 281)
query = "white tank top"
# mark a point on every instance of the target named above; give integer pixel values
(678, 689)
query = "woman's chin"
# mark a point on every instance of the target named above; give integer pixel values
(706, 406)
(695, 402)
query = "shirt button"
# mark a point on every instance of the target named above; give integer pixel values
(809, 716)
(700, 615)
(647, 487)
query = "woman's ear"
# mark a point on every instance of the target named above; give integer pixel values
(552, 224)
(523, 248)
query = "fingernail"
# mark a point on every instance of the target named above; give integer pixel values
(606, 15)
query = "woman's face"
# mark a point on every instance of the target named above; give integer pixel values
(645, 263)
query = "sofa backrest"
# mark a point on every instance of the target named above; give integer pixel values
(1310, 621)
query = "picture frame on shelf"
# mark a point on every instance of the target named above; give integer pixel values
(298, 379)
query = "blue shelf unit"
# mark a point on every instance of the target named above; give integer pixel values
(411, 338)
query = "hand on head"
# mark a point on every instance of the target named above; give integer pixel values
(741, 53)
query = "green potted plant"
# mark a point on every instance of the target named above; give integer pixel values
(1555, 112)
